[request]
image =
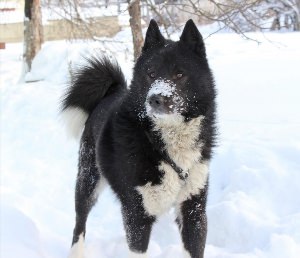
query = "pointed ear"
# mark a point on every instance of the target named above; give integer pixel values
(153, 36)
(192, 38)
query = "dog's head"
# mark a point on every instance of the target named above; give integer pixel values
(173, 78)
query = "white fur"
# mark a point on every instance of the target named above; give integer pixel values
(137, 255)
(78, 248)
(75, 119)
(181, 139)
(158, 199)
(196, 180)
(181, 144)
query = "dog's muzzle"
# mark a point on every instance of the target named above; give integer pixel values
(161, 104)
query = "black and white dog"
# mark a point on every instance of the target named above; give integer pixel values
(151, 142)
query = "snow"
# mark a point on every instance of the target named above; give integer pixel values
(165, 88)
(253, 206)
(162, 87)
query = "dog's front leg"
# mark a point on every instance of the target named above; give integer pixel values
(193, 224)
(137, 225)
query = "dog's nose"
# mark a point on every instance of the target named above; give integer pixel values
(156, 101)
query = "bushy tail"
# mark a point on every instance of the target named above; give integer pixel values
(93, 81)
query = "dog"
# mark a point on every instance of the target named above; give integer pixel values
(151, 142)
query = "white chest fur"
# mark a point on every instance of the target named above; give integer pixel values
(181, 139)
(183, 148)
(160, 198)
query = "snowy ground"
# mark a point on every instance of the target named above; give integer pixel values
(254, 204)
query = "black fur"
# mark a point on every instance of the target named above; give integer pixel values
(92, 82)
(194, 223)
(119, 141)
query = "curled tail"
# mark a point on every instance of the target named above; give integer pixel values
(98, 78)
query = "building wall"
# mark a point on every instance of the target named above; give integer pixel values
(61, 29)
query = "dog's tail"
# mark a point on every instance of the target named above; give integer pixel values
(98, 78)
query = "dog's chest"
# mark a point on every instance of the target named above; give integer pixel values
(159, 198)
(184, 149)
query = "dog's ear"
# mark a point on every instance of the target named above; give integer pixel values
(153, 36)
(192, 38)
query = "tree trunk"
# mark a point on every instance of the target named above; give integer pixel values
(298, 6)
(134, 10)
(297, 16)
(33, 31)
(276, 22)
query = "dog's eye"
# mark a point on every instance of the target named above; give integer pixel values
(179, 75)
(152, 75)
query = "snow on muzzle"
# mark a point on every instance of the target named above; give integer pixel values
(162, 98)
